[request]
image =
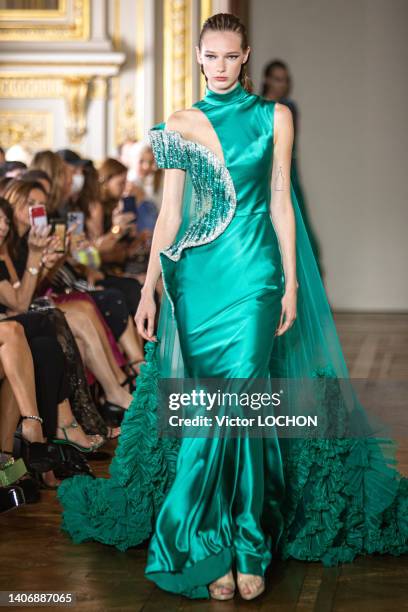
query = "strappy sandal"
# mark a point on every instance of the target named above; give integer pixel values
(79, 447)
(129, 380)
(134, 366)
(222, 583)
(256, 593)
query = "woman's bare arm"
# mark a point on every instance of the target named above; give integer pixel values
(170, 215)
(282, 213)
(167, 225)
(18, 299)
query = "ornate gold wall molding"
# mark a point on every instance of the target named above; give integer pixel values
(34, 14)
(128, 102)
(140, 73)
(20, 86)
(115, 82)
(32, 130)
(126, 126)
(76, 91)
(26, 86)
(70, 22)
(177, 55)
(98, 89)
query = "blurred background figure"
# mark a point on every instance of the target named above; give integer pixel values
(144, 178)
(277, 85)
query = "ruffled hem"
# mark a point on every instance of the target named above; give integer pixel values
(344, 498)
(121, 510)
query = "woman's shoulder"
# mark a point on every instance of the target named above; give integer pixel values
(185, 120)
(282, 109)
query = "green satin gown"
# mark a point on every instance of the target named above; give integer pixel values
(227, 300)
(210, 503)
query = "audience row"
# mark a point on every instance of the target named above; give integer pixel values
(74, 246)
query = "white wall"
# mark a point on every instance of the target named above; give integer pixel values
(348, 59)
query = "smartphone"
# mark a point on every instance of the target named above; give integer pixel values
(76, 218)
(129, 205)
(59, 228)
(146, 216)
(38, 215)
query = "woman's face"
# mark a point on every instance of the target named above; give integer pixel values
(277, 82)
(4, 227)
(146, 164)
(116, 186)
(21, 211)
(221, 56)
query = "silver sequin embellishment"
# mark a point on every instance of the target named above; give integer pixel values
(210, 177)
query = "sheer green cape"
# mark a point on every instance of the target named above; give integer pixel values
(344, 495)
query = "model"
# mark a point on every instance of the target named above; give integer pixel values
(244, 300)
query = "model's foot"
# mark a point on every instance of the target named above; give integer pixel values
(250, 586)
(223, 588)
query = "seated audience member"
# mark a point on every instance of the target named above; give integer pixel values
(13, 169)
(60, 175)
(145, 179)
(123, 249)
(86, 202)
(18, 400)
(15, 296)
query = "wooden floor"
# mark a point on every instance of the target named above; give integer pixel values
(37, 556)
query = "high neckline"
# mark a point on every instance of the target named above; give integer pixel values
(214, 97)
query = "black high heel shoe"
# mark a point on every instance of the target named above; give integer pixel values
(130, 367)
(30, 488)
(72, 462)
(38, 456)
(129, 380)
(111, 413)
(11, 497)
(40, 482)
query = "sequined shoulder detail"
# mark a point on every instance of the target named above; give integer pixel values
(212, 183)
(168, 148)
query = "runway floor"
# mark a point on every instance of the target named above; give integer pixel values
(37, 556)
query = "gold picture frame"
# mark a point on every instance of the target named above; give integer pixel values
(71, 21)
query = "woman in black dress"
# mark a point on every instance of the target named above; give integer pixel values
(58, 366)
